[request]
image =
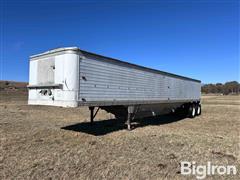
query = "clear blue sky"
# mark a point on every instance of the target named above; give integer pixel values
(199, 39)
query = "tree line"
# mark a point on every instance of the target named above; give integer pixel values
(232, 87)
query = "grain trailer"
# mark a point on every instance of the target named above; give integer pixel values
(71, 77)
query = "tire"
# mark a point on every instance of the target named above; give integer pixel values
(198, 109)
(192, 111)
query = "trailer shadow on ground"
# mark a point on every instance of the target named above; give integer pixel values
(103, 127)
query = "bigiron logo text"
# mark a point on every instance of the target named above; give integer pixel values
(201, 171)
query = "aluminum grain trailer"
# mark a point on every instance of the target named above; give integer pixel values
(71, 77)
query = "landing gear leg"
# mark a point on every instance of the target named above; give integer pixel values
(130, 116)
(92, 114)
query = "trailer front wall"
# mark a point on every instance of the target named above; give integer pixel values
(114, 82)
(51, 70)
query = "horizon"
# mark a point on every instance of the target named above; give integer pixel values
(199, 40)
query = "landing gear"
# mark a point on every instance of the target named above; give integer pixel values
(92, 114)
(130, 117)
(124, 112)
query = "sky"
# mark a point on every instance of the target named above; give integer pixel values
(197, 39)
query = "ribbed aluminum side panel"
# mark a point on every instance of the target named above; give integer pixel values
(104, 81)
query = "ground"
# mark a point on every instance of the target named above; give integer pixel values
(41, 142)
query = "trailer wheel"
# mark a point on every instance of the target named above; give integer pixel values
(192, 111)
(199, 110)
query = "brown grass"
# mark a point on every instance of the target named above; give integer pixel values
(41, 142)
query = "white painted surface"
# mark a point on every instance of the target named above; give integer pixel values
(65, 73)
(33, 72)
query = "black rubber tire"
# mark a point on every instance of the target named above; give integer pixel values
(198, 110)
(192, 111)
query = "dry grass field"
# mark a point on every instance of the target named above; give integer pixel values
(41, 142)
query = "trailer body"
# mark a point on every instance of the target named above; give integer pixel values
(71, 77)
